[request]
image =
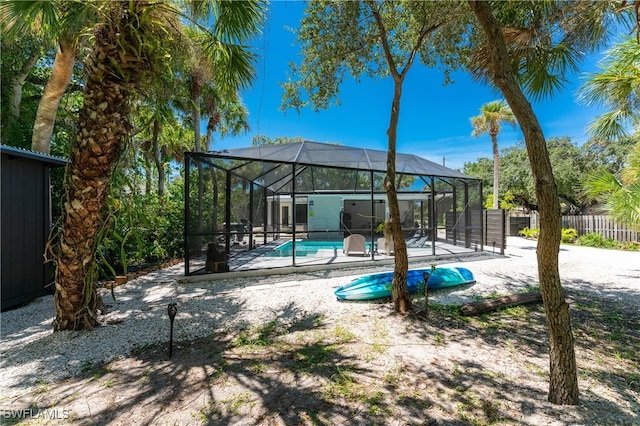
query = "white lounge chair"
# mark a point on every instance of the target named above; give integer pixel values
(355, 243)
(382, 246)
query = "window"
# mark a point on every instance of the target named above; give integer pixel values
(301, 214)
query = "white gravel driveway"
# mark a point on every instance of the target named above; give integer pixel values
(32, 355)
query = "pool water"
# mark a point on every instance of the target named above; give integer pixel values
(304, 248)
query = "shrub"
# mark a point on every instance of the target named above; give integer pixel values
(569, 235)
(593, 239)
(630, 245)
(529, 233)
(143, 229)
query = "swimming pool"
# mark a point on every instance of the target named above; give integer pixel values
(304, 248)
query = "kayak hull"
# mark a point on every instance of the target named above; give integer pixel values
(375, 286)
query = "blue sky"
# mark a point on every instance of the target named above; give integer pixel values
(434, 119)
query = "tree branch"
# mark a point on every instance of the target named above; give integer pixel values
(636, 7)
(416, 47)
(385, 43)
(387, 50)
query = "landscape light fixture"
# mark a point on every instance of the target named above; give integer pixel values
(172, 310)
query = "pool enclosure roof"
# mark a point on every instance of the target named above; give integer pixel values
(317, 154)
(321, 155)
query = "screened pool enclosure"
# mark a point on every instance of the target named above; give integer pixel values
(296, 204)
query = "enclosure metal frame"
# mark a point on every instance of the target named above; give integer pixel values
(209, 157)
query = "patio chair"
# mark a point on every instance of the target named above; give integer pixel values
(355, 243)
(382, 246)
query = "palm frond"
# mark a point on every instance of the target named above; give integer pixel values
(610, 125)
(239, 20)
(599, 185)
(617, 88)
(544, 68)
(546, 41)
(24, 16)
(231, 21)
(630, 175)
(233, 65)
(624, 205)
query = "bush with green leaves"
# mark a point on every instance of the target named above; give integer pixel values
(569, 235)
(529, 233)
(142, 229)
(630, 245)
(593, 239)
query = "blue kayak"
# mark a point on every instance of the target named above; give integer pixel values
(378, 285)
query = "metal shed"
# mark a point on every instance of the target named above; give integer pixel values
(26, 221)
(240, 201)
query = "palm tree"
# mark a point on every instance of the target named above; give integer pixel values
(162, 133)
(227, 115)
(212, 69)
(62, 22)
(215, 62)
(617, 86)
(532, 52)
(61, 74)
(129, 42)
(114, 65)
(163, 136)
(491, 115)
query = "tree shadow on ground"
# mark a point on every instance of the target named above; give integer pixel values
(371, 367)
(229, 375)
(607, 344)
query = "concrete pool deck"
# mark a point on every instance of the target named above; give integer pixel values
(255, 263)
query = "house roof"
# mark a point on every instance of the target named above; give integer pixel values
(329, 155)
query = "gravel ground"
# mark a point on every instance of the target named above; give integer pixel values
(31, 354)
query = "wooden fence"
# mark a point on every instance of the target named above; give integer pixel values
(600, 224)
(494, 230)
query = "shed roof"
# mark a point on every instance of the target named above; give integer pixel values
(49, 160)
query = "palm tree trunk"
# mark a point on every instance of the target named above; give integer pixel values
(563, 386)
(148, 182)
(496, 171)
(102, 126)
(196, 88)
(157, 157)
(17, 81)
(53, 93)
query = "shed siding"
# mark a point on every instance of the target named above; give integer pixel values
(25, 225)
